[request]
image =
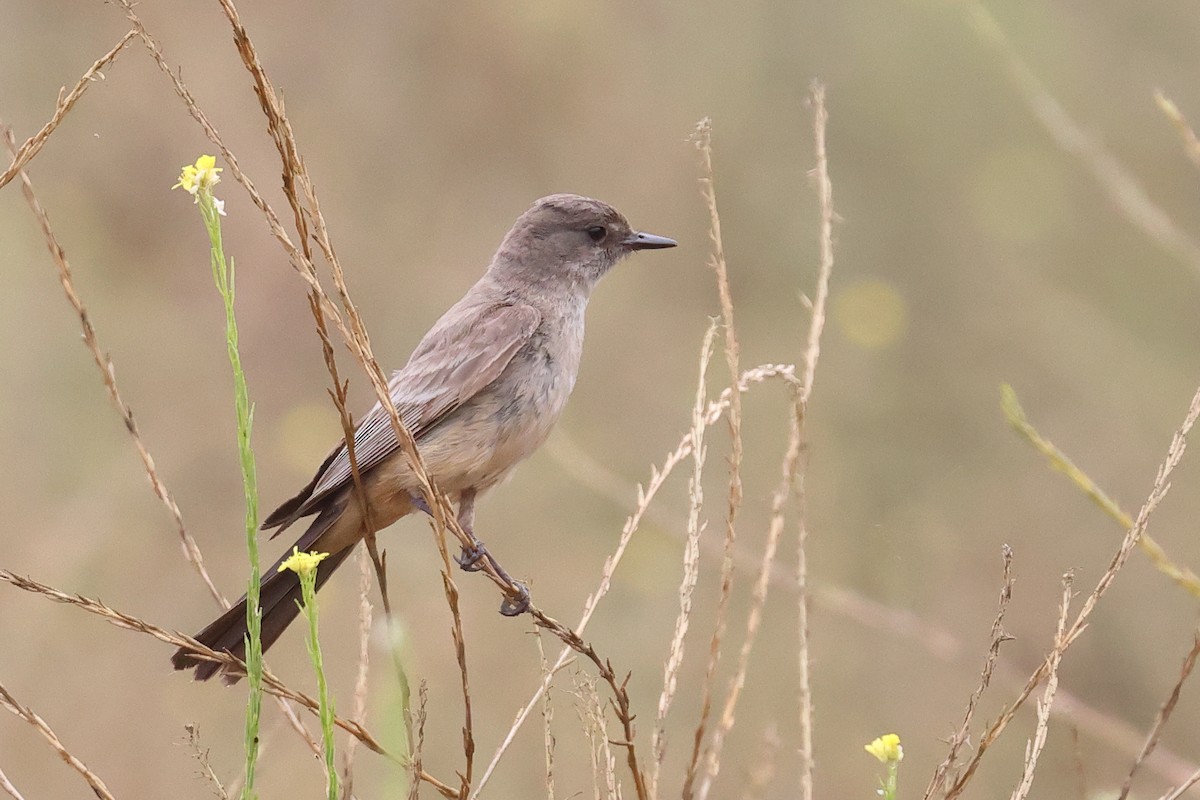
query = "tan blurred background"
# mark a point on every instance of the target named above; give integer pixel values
(972, 251)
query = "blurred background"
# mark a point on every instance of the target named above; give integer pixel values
(973, 249)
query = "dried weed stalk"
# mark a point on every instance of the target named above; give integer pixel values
(1033, 749)
(691, 559)
(1164, 714)
(38, 724)
(200, 754)
(702, 138)
(1120, 557)
(645, 495)
(8, 787)
(998, 637)
(33, 145)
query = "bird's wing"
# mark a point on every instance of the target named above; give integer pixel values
(457, 359)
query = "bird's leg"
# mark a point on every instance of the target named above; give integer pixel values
(469, 559)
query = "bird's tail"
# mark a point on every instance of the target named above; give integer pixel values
(279, 593)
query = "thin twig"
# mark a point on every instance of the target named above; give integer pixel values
(24, 712)
(1179, 790)
(1120, 557)
(359, 709)
(418, 749)
(200, 754)
(1061, 462)
(645, 495)
(191, 550)
(811, 353)
(691, 562)
(31, 146)
(1033, 750)
(547, 716)
(271, 683)
(8, 787)
(998, 637)
(703, 141)
(1164, 714)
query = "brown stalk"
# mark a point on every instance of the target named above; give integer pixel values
(645, 495)
(811, 354)
(414, 788)
(359, 713)
(191, 550)
(702, 138)
(691, 561)
(936, 640)
(998, 637)
(271, 683)
(44, 730)
(200, 754)
(8, 787)
(1120, 557)
(1164, 714)
(548, 739)
(33, 145)
(1033, 748)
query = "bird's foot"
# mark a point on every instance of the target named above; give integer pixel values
(517, 605)
(471, 558)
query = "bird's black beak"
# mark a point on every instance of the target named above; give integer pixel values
(648, 241)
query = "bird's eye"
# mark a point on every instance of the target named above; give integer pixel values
(596, 232)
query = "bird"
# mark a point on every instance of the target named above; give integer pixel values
(479, 394)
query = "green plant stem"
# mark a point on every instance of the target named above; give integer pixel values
(308, 580)
(223, 276)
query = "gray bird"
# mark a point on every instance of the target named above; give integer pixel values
(479, 394)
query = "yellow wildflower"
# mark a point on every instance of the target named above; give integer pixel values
(886, 748)
(302, 563)
(201, 175)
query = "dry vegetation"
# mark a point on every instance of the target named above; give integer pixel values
(625, 733)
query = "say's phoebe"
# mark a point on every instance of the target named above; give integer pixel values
(479, 394)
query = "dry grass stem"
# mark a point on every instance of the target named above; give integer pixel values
(595, 723)
(547, 715)
(703, 141)
(358, 711)
(414, 787)
(1033, 750)
(1120, 557)
(8, 787)
(1164, 714)
(460, 655)
(645, 495)
(191, 549)
(1182, 788)
(31, 146)
(1117, 181)
(812, 352)
(998, 637)
(38, 724)
(104, 363)
(298, 186)
(271, 683)
(200, 754)
(691, 560)
(1060, 462)
(853, 606)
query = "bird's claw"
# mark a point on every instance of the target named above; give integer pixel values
(516, 606)
(471, 558)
